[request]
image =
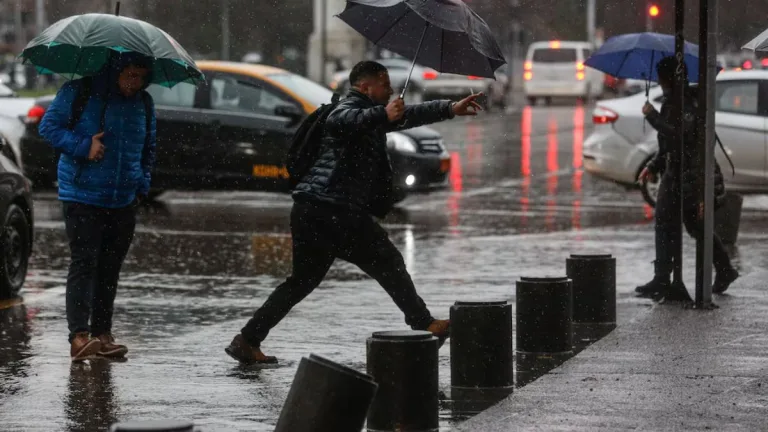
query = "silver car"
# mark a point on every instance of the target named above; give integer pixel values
(622, 142)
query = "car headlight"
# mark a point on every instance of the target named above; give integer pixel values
(400, 142)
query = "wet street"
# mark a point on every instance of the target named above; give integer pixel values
(517, 205)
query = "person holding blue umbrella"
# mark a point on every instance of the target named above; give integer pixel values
(668, 160)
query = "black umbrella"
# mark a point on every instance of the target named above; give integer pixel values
(451, 37)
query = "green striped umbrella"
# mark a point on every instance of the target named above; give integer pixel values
(81, 45)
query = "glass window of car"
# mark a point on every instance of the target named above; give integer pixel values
(313, 92)
(738, 97)
(181, 95)
(551, 55)
(230, 94)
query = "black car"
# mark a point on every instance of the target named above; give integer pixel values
(233, 133)
(16, 211)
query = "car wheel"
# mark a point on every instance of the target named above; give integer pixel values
(650, 190)
(14, 252)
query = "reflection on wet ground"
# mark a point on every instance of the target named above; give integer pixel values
(517, 204)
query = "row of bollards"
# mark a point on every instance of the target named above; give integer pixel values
(556, 318)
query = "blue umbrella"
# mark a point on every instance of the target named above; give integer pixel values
(635, 56)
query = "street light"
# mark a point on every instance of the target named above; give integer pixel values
(653, 13)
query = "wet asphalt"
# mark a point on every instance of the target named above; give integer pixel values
(516, 205)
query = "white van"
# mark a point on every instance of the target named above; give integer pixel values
(556, 69)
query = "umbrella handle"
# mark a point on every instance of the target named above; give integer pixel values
(408, 79)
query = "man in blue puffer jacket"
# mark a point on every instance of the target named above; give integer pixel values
(104, 170)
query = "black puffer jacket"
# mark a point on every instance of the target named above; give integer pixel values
(353, 169)
(668, 157)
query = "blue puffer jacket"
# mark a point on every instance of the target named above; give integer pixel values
(125, 170)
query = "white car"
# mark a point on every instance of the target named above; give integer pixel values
(622, 141)
(556, 69)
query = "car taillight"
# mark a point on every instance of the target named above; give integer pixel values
(579, 66)
(430, 75)
(602, 115)
(764, 62)
(528, 66)
(747, 64)
(528, 75)
(472, 77)
(34, 115)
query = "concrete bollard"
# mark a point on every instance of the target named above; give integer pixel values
(594, 297)
(544, 311)
(404, 364)
(482, 354)
(326, 397)
(154, 426)
(728, 218)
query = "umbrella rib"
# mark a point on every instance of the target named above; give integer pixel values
(407, 10)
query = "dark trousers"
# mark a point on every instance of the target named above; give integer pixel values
(321, 233)
(667, 229)
(99, 239)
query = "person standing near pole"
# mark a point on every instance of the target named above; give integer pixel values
(668, 160)
(334, 202)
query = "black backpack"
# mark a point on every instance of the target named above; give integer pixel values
(81, 99)
(305, 144)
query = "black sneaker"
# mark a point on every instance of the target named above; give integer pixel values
(652, 288)
(723, 280)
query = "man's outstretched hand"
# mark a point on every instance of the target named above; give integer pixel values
(467, 106)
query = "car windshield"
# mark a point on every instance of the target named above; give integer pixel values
(313, 92)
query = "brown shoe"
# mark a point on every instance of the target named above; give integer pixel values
(109, 348)
(84, 347)
(241, 351)
(441, 329)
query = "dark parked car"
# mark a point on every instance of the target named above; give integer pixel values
(233, 132)
(17, 234)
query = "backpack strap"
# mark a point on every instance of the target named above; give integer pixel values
(81, 100)
(147, 99)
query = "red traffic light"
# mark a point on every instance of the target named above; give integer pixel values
(653, 11)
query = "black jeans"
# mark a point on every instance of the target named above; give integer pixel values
(321, 233)
(667, 229)
(99, 239)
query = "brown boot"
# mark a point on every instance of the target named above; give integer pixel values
(109, 348)
(441, 329)
(84, 347)
(241, 351)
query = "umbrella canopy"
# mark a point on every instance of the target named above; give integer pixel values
(636, 55)
(81, 45)
(759, 43)
(445, 35)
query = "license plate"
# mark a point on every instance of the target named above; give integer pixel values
(269, 171)
(445, 165)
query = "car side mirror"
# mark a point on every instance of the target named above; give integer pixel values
(290, 111)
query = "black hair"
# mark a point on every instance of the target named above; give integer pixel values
(666, 69)
(365, 69)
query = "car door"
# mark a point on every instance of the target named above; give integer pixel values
(181, 141)
(251, 139)
(740, 125)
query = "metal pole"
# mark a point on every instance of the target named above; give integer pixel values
(648, 17)
(418, 48)
(19, 24)
(323, 41)
(40, 15)
(677, 276)
(225, 30)
(708, 24)
(591, 18)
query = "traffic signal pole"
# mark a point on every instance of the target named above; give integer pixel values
(708, 25)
